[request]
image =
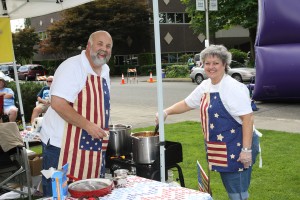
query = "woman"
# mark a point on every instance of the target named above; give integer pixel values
(8, 101)
(227, 122)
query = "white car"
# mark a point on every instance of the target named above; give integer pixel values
(6, 78)
(197, 74)
(236, 70)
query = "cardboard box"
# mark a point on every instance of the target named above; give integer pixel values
(35, 163)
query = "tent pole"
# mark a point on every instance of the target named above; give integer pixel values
(20, 98)
(159, 90)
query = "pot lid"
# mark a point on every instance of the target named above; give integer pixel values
(118, 127)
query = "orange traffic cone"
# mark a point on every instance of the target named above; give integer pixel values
(151, 80)
(123, 80)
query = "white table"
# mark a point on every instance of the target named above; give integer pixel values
(138, 188)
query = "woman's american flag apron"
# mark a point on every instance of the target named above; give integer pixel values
(222, 135)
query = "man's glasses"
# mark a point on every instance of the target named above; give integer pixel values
(49, 81)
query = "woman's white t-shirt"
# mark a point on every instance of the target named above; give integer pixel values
(234, 96)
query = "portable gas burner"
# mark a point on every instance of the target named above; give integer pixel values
(173, 156)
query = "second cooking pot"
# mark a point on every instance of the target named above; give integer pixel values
(145, 147)
(119, 140)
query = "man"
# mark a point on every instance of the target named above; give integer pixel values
(191, 63)
(8, 101)
(43, 99)
(75, 127)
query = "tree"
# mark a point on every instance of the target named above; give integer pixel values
(230, 13)
(27, 23)
(126, 20)
(24, 41)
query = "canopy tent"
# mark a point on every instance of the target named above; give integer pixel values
(17, 9)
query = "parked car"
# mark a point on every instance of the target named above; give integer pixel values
(197, 74)
(6, 78)
(8, 70)
(241, 73)
(31, 71)
(236, 70)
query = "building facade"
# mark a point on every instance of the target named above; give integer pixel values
(176, 36)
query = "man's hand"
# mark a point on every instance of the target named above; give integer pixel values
(96, 132)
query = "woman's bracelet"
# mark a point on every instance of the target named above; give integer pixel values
(166, 113)
(246, 150)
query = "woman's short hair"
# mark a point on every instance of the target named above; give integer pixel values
(217, 50)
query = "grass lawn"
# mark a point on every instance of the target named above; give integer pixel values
(278, 179)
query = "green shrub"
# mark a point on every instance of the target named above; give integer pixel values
(29, 91)
(177, 71)
(146, 69)
(185, 57)
(145, 59)
(238, 55)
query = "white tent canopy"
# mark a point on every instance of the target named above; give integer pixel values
(17, 9)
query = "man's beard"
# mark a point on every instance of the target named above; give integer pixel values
(99, 61)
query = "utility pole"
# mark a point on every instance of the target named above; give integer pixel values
(203, 6)
(207, 24)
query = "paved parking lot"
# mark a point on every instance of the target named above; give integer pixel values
(136, 105)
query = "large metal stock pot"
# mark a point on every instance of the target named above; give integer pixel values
(145, 147)
(119, 140)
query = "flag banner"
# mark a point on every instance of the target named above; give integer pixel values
(203, 180)
(6, 48)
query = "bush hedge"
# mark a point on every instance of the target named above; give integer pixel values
(238, 55)
(177, 71)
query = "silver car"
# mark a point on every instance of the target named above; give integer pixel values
(236, 70)
(197, 74)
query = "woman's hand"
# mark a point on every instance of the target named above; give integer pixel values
(157, 117)
(246, 158)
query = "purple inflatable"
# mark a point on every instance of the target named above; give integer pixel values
(277, 49)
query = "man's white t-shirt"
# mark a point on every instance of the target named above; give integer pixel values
(69, 79)
(234, 96)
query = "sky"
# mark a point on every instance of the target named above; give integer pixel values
(16, 24)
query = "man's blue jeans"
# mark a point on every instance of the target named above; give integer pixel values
(50, 159)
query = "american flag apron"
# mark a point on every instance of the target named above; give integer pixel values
(86, 155)
(222, 135)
